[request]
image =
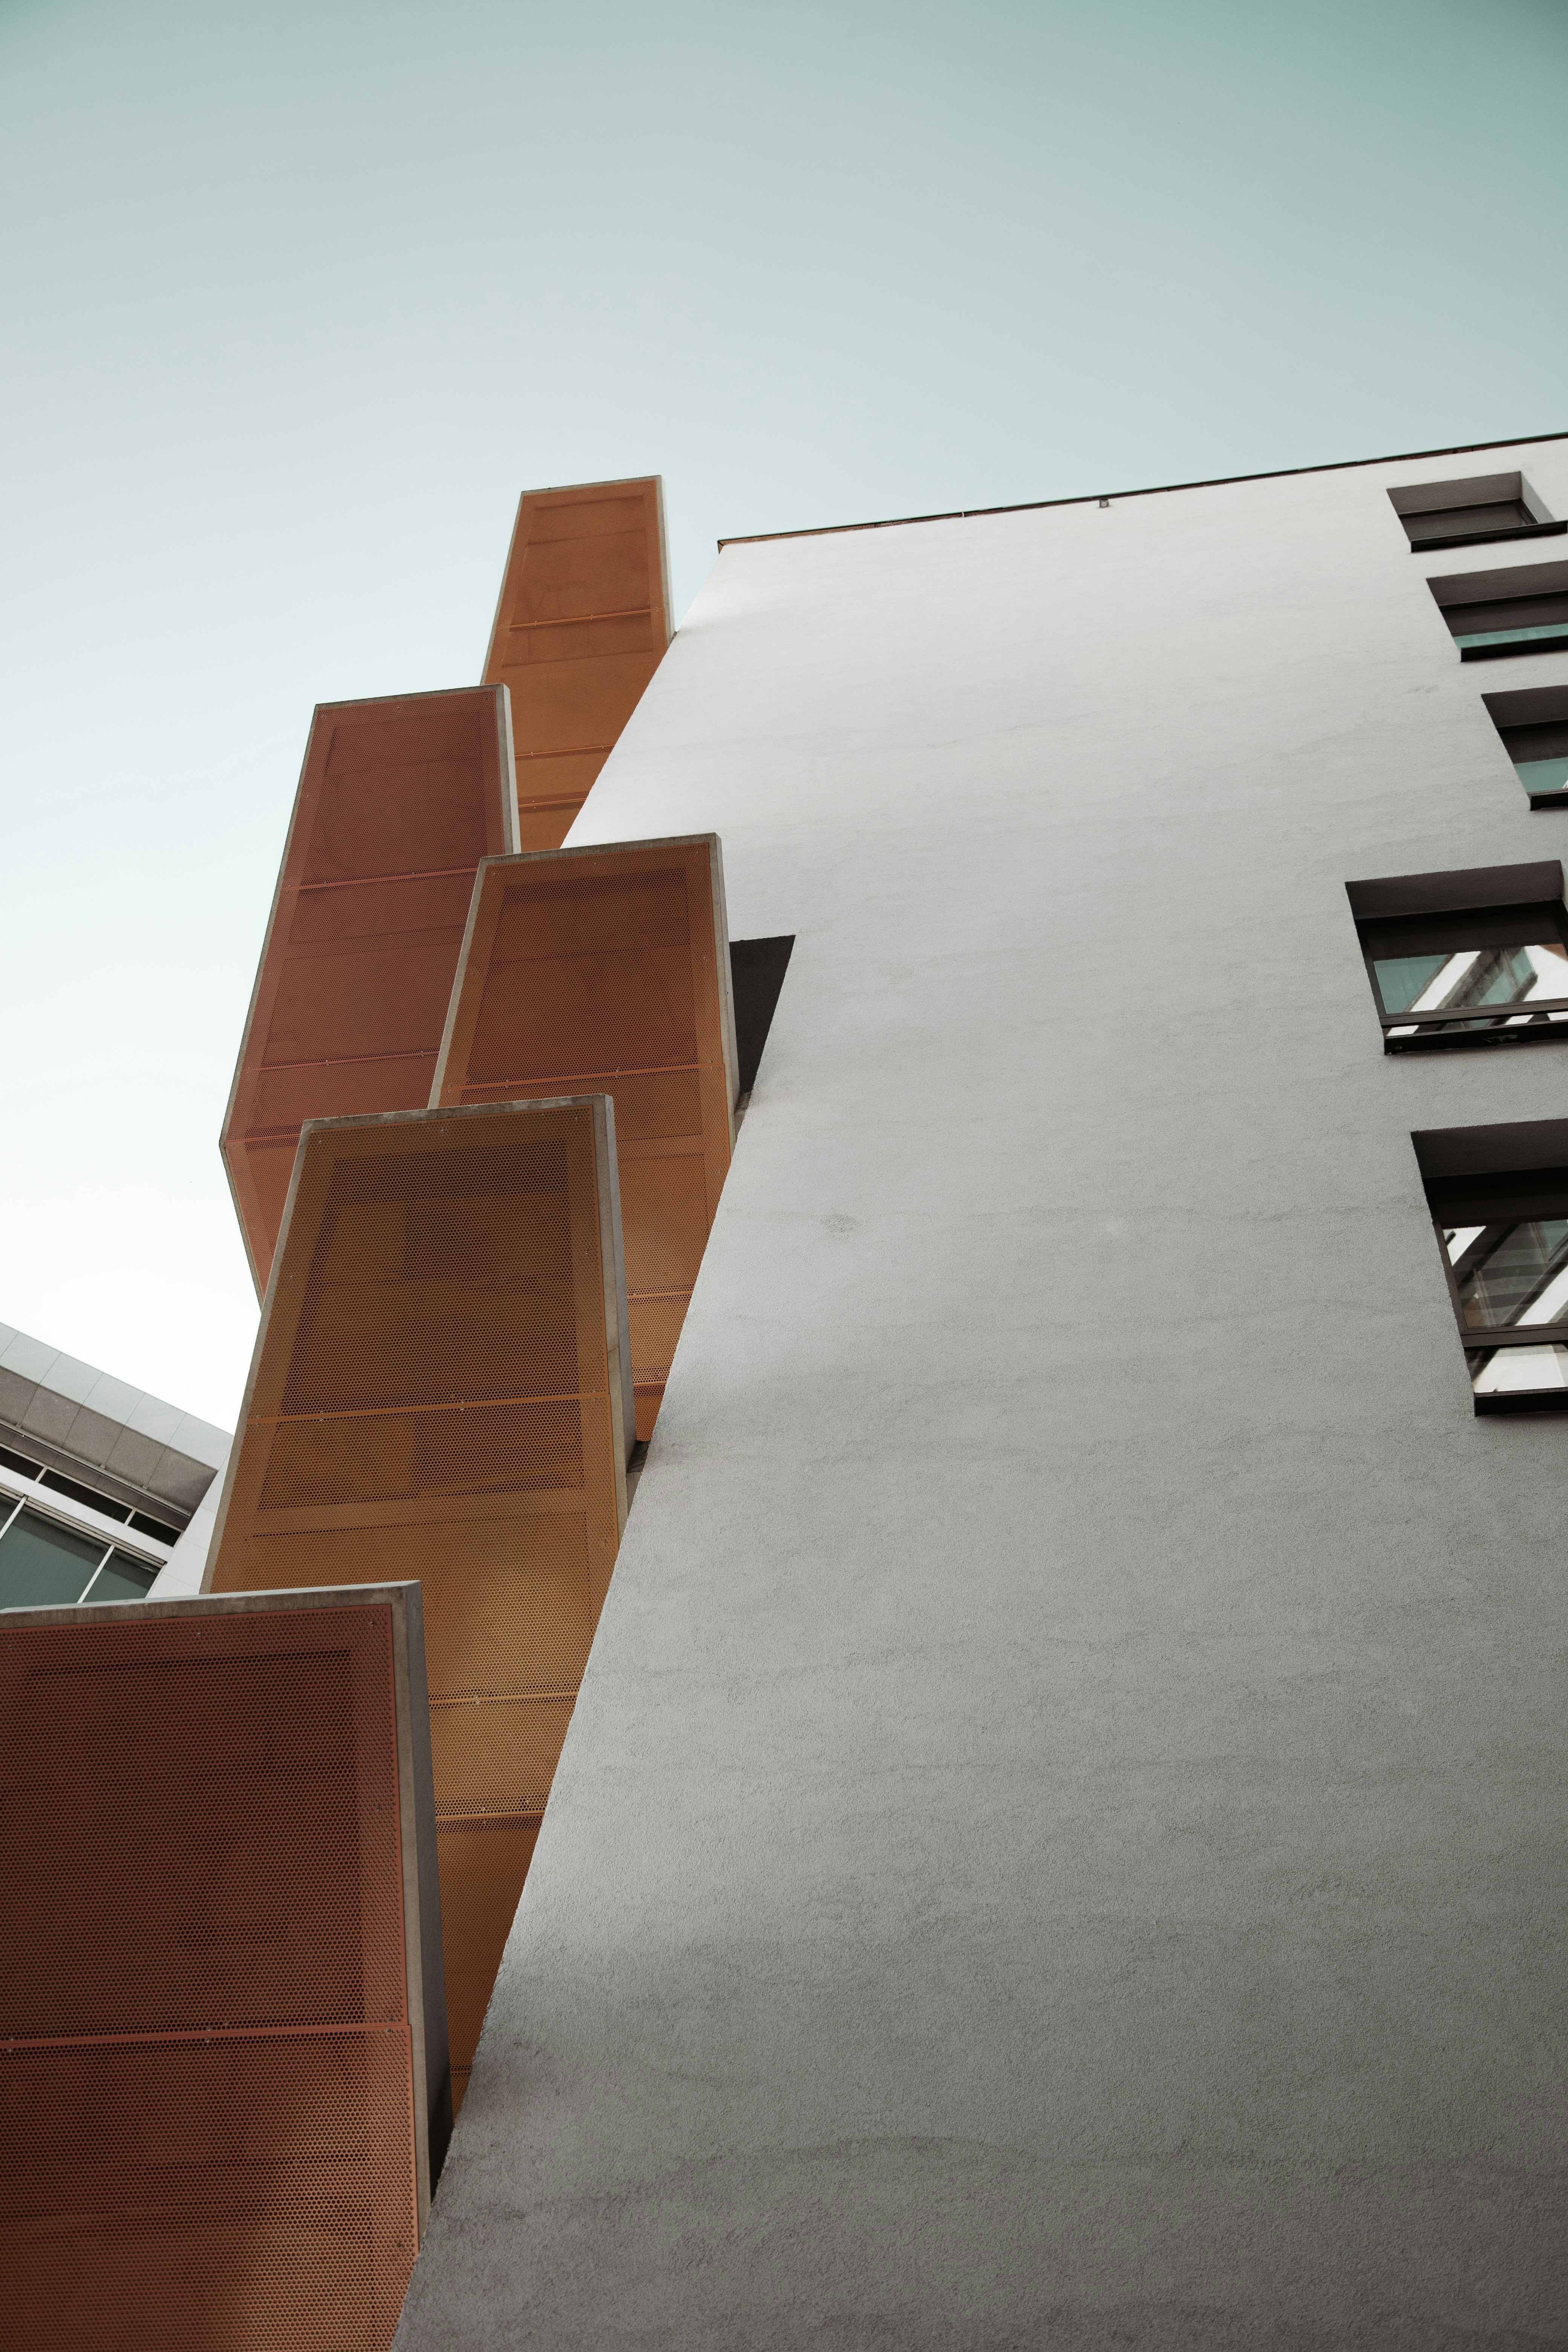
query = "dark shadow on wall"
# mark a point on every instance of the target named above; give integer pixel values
(757, 967)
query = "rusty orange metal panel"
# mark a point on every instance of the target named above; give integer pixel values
(609, 966)
(441, 1390)
(398, 801)
(223, 2059)
(581, 625)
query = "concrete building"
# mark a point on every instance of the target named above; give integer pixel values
(1060, 1838)
(106, 1493)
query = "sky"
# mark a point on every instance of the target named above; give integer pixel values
(298, 296)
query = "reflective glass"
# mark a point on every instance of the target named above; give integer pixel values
(42, 1565)
(121, 1579)
(1510, 1276)
(1543, 775)
(1518, 1371)
(1471, 978)
(1533, 635)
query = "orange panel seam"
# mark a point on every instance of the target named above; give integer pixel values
(202, 2033)
(567, 1077)
(353, 1061)
(520, 1813)
(579, 620)
(379, 1412)
(367, 881)
(493, 1698)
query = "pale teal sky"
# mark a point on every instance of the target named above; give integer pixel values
(299, 294)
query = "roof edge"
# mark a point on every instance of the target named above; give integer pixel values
(1151, 491)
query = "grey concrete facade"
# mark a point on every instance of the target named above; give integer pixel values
(1061, 1841)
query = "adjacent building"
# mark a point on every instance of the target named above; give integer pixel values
(106, 1493)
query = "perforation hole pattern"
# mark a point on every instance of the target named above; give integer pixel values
(432, 1401)
(206, 2136)
(603, 969)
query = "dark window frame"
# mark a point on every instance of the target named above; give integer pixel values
(1470, 898)
(1510, 1170)
(1533, 718)
(1479, 492)
(1529, 595)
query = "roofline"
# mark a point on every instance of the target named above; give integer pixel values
(1153, 490)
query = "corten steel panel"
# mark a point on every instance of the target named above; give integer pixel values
(581, 625)
(398, 801)
(610, 966)
(440, 1390)
(223, 2036)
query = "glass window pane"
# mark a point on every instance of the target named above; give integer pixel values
(1527, 974)
(42, 1565)
(1402, 979)
(122, 1579)
(1518, 1371)
(1513, 1273)
(1543, 775)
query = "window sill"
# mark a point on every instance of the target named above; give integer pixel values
(1513, 1028)
(1514, 1340)
(1521, 1401)
(1489, 538)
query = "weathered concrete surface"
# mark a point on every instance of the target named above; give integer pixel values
(1061, 1842)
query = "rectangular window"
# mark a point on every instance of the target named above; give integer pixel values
(1533, 725)
(43, 1565)
(158, 1530)
(1498, 1198)
(1476, 958)
(111, 1506)
(94, 1500)
(121, 1579)
(1491, 615)
(1461, 514)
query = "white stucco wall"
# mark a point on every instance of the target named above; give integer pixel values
(1061, 1842)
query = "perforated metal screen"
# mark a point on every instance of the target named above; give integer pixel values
(610, 967)
(581, 625)
(439, 1392)
(211, 2076)
(398, 801)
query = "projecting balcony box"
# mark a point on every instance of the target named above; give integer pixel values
(581, 625)
(1474, 958)
(441, 1390)
(225, 2069)
(609, 967)
(398, 801)
(1464, 513)
(1498, 1198)
(1492, 614)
